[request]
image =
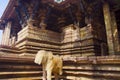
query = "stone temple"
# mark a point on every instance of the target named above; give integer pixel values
(85, 33)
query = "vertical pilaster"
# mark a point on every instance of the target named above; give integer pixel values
(6, 34)
(115, 32)
(3, 36)
(43, 24)
(108, 26)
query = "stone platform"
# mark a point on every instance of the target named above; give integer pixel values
(73, 42)
(14, 67)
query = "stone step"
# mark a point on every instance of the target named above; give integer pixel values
(19, 67)
(90, 68)
(96, 74)
(31, 75)
(9, 49)
(24, 78)
(19, 74)
(74, 67)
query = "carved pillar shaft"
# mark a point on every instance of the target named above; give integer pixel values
(71, 14)
(6, 34)
(3, 37)
(18, 15)
(82, 6)
(43, 17)
(115, 32)
(43, 25)
(13, 35)
(23, 8)
(35, 9)
(49, 9)
(108, 26)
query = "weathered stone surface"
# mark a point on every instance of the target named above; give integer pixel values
(23, 67)
(69, 42)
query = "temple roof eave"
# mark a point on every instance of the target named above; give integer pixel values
(8, 12)
(12, 3)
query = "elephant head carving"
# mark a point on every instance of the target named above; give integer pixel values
(50, 63)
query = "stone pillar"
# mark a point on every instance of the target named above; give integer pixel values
(115, 32)
(6, 34)
(43, 25)
(3, 36)
(43, 17)
(13, 40)
(108, 26)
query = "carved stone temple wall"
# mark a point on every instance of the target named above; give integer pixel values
(73, 42)
(40, 27)
(32, 39)
(77, 42)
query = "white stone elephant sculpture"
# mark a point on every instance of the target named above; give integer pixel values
(50, 64)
